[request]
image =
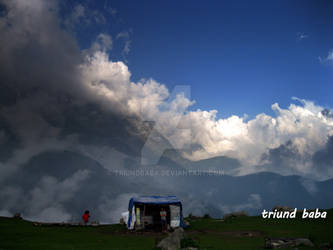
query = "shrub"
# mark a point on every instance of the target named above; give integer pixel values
(188, 242)
(206, 216)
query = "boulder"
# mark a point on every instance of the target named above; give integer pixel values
(235, 214)
(284, 242)
(303, 242)
(187, 223)
(326, 246)
(95, 223)
(283, 208)
(172, 242)
(17, 216)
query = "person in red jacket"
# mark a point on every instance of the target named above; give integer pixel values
(86, 217)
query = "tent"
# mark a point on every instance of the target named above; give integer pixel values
(144, 212)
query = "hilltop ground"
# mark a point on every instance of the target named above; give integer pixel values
(205, 233)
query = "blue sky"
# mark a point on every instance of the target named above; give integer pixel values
(237, 56)
(66, 93)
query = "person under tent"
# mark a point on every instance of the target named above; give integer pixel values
(163, 215)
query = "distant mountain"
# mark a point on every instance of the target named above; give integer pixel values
(215, 195)
(173, 158)
(223, 163)
(103, 169)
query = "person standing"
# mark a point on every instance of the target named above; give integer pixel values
(86, 217)
(163, 215)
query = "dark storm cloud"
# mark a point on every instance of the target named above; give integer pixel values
(45, 108)
(323, 159)
(328, 113)
(281, 155)
(284, 158)
(62, 116)
(42, 95)
(34, 51)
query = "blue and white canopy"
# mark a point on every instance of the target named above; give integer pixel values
(153, 200)
(161, 200)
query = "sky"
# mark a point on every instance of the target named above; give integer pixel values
(238, 57)
(93, 87)
(216, 79)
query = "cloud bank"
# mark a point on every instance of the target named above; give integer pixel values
(57, 97)
(37, 53)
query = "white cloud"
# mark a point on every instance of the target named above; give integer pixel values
(78, 12)
(49, 195)
(247, 141)
(309, 185)
(45, 201)
(35, 134)
(82, 15)
(101, 80)
(253, 202)
(12, 196)
(301, 36)
(5, 213)
(329, 57)
(52, 214)
(111, 209)
(125, 35)
(103, 42)
(127, 47)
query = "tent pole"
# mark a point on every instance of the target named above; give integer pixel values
(144, 215)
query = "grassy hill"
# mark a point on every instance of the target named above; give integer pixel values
(207, 233)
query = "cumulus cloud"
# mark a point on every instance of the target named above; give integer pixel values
(303, 124)
(310, 186)
(253, 203)
(46, 74)
(111, 209)
(78, 12)
(81, 14)
(103, 43)
(11, 197)
(44, 202)
(34, 133)
(125, 35)
(328, 58)
(301, 36)
(322, 159)
(95, 78)
(35, 53)
(5, 213)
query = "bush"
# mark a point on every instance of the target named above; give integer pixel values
(206, 216)
(188, 242)
(312, 238)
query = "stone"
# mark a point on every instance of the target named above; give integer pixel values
(326, 245)
(17, 216)
(235, 214)
(283, 208)
(172, 242)
(304, 242)
(282, 242)
(187, 223)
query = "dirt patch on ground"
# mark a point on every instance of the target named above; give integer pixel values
(135, 233)
(229, 233)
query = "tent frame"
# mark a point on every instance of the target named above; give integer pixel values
(152, 200)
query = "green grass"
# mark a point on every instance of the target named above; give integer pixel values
(18, 234)
(231, 233)
(208, 233)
